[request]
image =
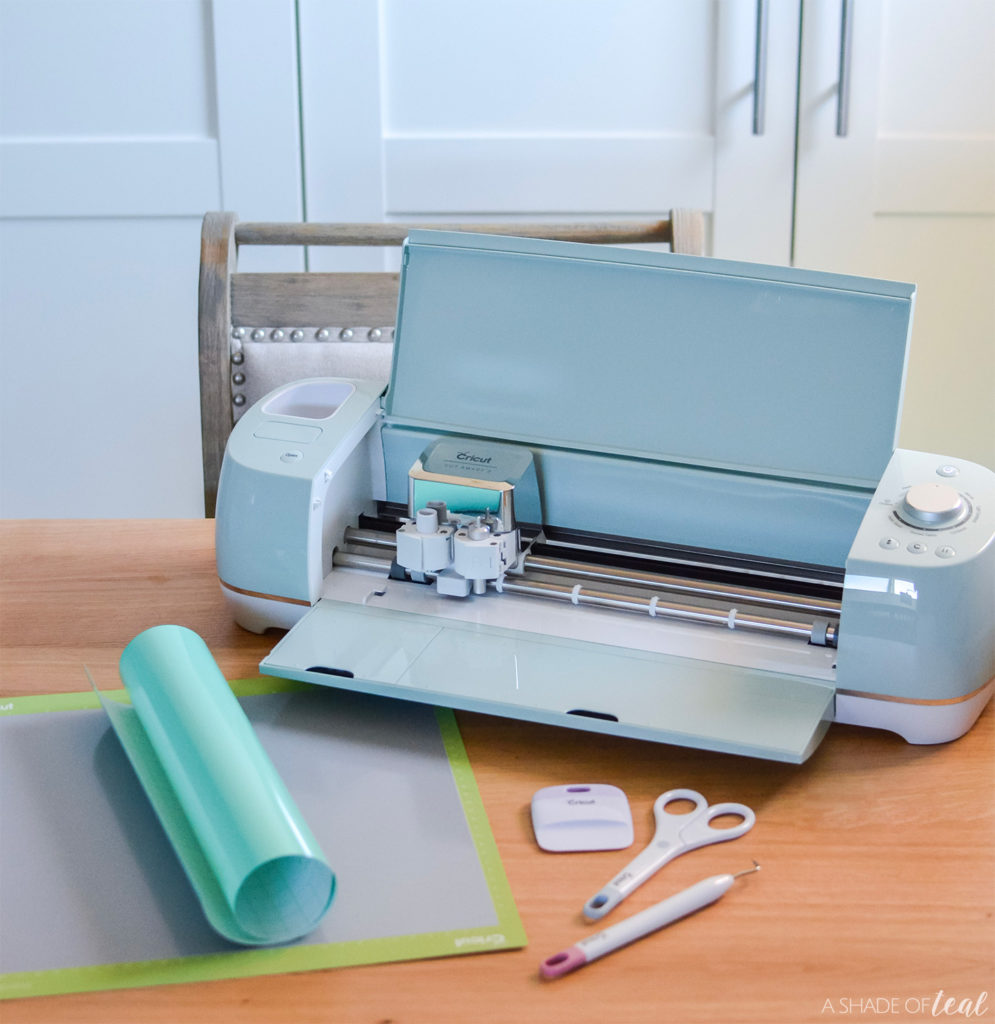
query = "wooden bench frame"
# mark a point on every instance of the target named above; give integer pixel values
(230, 299)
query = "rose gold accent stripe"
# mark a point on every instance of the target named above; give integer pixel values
(265, 597)
(910, 700)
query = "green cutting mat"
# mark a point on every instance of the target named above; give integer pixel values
(94, 898)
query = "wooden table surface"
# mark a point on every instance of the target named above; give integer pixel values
(875, 900)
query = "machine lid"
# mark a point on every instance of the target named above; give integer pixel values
(655, 355)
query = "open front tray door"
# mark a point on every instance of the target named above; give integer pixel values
(583, 685)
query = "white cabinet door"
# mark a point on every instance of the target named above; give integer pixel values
(563, 109)
(119, 127)
(908, 192)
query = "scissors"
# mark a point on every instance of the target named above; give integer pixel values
(675, 834)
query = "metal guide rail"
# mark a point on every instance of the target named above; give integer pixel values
(618, 580)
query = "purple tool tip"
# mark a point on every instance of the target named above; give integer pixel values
(562, 963)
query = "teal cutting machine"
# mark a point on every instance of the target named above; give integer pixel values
(631, 492)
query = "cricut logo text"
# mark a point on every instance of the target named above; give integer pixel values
(478, 940)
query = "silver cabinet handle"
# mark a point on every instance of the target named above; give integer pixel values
(760, 70)
(843, 85)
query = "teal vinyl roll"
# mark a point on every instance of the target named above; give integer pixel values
(250, 856)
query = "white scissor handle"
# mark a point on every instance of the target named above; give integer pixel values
(675, 834)
(669, 825)
(699, 832)
(631, 876)
(664, 846)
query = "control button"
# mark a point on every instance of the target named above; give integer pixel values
(917, 548)
(888, 543)
(932, 506)
(292, 456)
(946, 551)
(947, 471)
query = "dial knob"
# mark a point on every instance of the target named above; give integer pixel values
(933, 507)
